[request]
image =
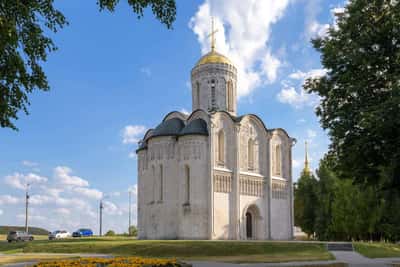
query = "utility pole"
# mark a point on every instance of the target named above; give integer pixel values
(101, 216)
(129, 227)
(26, 207)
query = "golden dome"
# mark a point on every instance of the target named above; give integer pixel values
(213, 57)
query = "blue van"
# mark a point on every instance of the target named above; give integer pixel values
(82, 232)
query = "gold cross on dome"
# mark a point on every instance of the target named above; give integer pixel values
(212, 35)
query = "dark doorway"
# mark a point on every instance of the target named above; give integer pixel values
(249, 225)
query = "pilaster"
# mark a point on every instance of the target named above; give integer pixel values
(236, 187)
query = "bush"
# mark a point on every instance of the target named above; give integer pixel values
(132, 231)
(110, 233)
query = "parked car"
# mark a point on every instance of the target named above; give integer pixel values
(18, 236)
(82, 232)
(59, 234)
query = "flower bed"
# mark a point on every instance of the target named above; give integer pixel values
(112, 262)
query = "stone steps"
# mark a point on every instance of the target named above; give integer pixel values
(339, 247)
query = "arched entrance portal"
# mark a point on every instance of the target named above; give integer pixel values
(253, 222)
(249, 225)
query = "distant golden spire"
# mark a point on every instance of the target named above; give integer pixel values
(212, 35)
(306, 163)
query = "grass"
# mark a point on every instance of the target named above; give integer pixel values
(230, 251)
(378, 250)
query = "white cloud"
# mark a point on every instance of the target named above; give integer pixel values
(297, 99)
(32, 218)
(7, 199)
(111, 209)
(63, 211)
(184, 111)
(314, 73)
(40, 200)
(88, 192)
(296, 163)
(311, 134)
(20, 181)
(244, 28)
(133, 133)
(133, 189)
(301, 121)
(62, 174)
(28, 163)
(146, 71)
(313, 28)
(132, 155)
(1, 212)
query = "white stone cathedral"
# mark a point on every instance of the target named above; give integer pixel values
(213, 174)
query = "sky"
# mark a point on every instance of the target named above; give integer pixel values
(115, 76)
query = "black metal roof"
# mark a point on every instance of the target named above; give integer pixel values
(171, 127)
(197, 126)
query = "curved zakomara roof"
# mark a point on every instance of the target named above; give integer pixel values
(195, 127)
(171, 127)
(176, 114)
(173, 124)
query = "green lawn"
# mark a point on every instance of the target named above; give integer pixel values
(378, 250)
(231, 251)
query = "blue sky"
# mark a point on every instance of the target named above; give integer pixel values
(115, 76)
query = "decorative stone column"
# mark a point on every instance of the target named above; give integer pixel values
(236, 187)
(211, 161)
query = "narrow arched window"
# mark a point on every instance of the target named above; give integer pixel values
(161, 184)
(250, 154)
(154, 183)
(187, 184)
(198, 95)
(213, 95)
(221, 147)
(230, 95)
(278, 160)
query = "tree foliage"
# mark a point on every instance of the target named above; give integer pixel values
(132, 231)
(338, 209)
(305, 203)
(110, 233)
(24, 46)
(360, 94)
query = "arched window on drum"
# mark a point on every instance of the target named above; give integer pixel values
(230, 96)
(221, 148)
(277, 170)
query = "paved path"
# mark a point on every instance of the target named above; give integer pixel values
(352, 258)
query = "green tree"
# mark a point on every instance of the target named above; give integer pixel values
(360, 94)
(132, 230)
(110, 233)
(305, 203)
(24, 46)
(326, 187)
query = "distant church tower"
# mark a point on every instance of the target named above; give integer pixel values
(306, 163)
(213, 174)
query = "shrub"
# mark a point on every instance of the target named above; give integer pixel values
(110, 233)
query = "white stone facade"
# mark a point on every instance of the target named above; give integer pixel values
(213, 175)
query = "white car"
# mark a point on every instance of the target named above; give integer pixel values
(59, 234)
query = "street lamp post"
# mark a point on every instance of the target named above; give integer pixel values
(101, 207)
(26, 207)
(129, 227)
(101, 217)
